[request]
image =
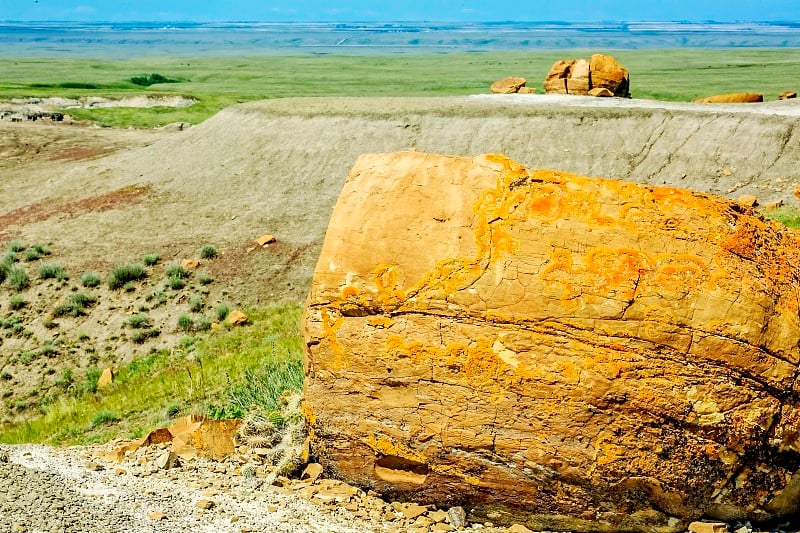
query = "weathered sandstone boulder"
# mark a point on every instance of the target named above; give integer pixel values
(526, 90)
(554, 350)
(579, 76)
(601, 92)
(508, 85)
(733, 98)
(787, 95)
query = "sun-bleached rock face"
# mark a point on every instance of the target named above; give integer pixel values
(554, 350)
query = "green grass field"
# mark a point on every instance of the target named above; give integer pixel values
(675, 75)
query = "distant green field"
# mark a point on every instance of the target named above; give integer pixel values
(673, 74)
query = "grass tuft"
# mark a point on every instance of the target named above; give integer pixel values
(208, 252)
(150, 259)
(126, 274)
(53, 271)
(90, 280)
(75, 305)
(16, 246)
(18, 278)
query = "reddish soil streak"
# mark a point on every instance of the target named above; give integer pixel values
(47, 209)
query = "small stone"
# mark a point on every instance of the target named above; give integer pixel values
(311, 472)
(438, 516)
(389, 516)
(601, 92)
(526, 90)
(708, 527)
(423, 521)
(787, 95)
(727, 171)
(457, 516)
(235, 519)
(106, 378)
(518, 528)
(167, 460)
(19, 528)
(412, 510)
(4, 457)
(205, 504)
(237, 318)
(508, 85)
(190, 264)
(442, 527)
(265, 240)
(272, 508)
(774, 205)
(156, 515)
(94, 467)
(748, 200)
(120, 471)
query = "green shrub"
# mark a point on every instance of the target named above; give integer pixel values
(65, 380)
(125, 274)
(196, 304)
(129, 287)
(203, 278)
(32, 255)
(141, 335)
(177, 271)
(223, 310)
(75, 304)
(15, 246)
(139, 321)
(16, 302)
(53, 271)
(40, 249)
(150, 259)
(176, 283)
(185, 323)
(174, 409)
(103, 418)
(202, 324)
(18, 279)
(90, 279)
(208, 252)
(92, 377)
(152, 79)
(158, 297)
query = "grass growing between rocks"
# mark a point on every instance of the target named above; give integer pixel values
(788, 215)
(222, 374)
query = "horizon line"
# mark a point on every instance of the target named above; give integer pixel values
(390, 21)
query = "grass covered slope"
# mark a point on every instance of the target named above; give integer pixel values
(675, 75)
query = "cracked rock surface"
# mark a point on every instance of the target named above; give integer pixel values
(586, 354)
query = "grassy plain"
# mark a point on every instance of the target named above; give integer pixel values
(218, 82)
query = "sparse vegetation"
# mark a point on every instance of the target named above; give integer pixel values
(223, 310)
(18, 278)
(139, 321)
(16, 302)
(75, 304)
(15, 246)
(177, 271)
(53, 271)
(202, 324)
(227, 364)
(150, 259)
(204, 278)
(176, 283)
(185, 323)
(208, 252)
(125, 274)
(90, 280)
(103, 418)
(196, 304)
(32, 255)
(787, 215)
(152, 79)
(141, 335)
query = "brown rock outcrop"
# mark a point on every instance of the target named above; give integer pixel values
(601, 92)
(579, 76)
(508, 85)
(787, 95)
(733, 98)
(554, 350)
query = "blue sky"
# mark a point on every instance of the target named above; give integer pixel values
(408, 10)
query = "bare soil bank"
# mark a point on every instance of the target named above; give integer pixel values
(278, 166)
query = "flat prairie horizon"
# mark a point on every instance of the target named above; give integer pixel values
(111, 40)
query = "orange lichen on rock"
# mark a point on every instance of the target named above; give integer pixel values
(555, 347)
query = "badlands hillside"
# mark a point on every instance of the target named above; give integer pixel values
(276, 167)
(100, 198)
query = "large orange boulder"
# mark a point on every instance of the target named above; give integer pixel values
(733, 98)
(509, 85)
(581, 77)
(554, 350)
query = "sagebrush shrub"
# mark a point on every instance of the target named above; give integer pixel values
(125, 274)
